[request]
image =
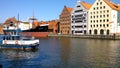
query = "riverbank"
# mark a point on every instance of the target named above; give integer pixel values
(108, 37)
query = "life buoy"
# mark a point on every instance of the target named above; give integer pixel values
(5, 42)
(16, 42)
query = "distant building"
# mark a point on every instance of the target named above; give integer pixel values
(65, 20)
(52, 25)
(79, 18)
(11, 22)
(104, 18)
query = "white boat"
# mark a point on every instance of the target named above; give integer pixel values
(13, 39)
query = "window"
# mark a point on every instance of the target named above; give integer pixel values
(104, 11)
(107, 25)
(91, 16)
(78, 27)
(91, 21)
(97, 16)
(100, 7)
(78, 31)
(107, 15)
(91, 12)
(97, 25)
(97, 12)
(107, 20)
(78, 6)
(97, 8)
(97, 3)
(93, 8)
(100, 3)
(72, 26)
(103, 25)
(97, 21)
(103, 15)
(104, 20)
(108, 11)
(78, 11)
(79, 15)
(100, 25)
(104, 7)
(100, 16)
(100, 20)
(91, 26)
(72, 21)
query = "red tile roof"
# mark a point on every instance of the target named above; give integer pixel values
(112, 5)
(86, 5)
(69, 9)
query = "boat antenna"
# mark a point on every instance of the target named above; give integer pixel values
(18, 17)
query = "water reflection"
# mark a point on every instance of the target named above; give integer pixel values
(18, 54)
(16, 58)
(65, 53)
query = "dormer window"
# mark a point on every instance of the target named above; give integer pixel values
(78, 6)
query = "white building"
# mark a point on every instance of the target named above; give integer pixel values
(104, 18)
(79, 18)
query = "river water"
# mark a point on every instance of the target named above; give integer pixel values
(65, 53)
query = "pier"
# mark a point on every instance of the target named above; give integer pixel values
(107, 37)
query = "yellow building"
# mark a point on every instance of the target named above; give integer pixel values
(103, 18)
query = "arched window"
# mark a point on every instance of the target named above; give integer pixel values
(108, 32)
(90, 32)
(101, 31)
(95, 31)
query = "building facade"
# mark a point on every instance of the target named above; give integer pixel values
(103, 18)
(65, 20)
(79, 18)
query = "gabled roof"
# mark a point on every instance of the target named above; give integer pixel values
(112, 5)
(86, 5)
(69, 9)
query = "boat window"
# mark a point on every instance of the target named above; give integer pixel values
(4, 38)
(11, 24)
(13, 38)
(17, 38)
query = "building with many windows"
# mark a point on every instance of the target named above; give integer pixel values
(65, 20)
(104, 18)
(79, 18)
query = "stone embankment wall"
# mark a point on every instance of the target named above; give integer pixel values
(108, 37)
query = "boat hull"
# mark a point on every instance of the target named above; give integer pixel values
(36, 34)
(23, 47)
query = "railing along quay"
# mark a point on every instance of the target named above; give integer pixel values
(108, 37)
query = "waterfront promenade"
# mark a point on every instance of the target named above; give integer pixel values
(108, 37)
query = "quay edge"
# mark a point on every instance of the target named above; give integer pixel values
(106, 37)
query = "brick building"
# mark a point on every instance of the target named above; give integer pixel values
(65, 20)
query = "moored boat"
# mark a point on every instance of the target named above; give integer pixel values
(40, 31)
(14, 39)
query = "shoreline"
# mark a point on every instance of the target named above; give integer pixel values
(106, 37)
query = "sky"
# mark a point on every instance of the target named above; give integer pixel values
(44, 10)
